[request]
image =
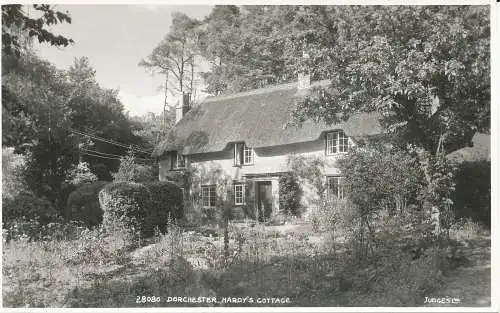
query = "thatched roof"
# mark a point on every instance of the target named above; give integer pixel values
(258, 118)
(479, 151)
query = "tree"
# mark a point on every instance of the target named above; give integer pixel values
(17, 27)
(175, 54)
(424, 68)
(98, 113)
(245, 47)
(151, 127)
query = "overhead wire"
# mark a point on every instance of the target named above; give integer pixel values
(111, 155)
(108, 141)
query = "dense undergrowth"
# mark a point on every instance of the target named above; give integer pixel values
(312, 267)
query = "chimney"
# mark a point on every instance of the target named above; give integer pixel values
(183, 106)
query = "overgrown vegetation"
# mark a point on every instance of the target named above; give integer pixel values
(290, 195)
(125, 205)
(410, 217)
(83, 204)
(166, 204)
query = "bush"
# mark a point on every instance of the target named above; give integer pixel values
(290, 194)
(130, 171)
(13, 166)
(125, 205)
(382, 178)
(83, 204)
(80, 174)
(26, 206)
(472, 194)
(167, 202)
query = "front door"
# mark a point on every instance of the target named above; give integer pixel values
(264, 200)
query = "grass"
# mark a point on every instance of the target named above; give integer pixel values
(294, 260)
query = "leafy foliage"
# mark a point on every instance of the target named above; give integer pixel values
(472, 195)
(83, 204)
(152, 127)
(40, 107)
(166, 205)
(130, 171)
(309, 169)
(16, 25)
(81, 174)
(125, 205)
(290, 194)
(13, 166)
(378, 178)
(175, 54)
(25, 206)
(413, 64)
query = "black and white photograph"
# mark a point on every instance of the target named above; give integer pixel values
(268, 157)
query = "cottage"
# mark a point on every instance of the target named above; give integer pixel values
(245, 138)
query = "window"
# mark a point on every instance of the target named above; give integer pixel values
(178, 160)
(208, 196)
(335, 188)
(239, 194)
(243, 155)
(336, 142)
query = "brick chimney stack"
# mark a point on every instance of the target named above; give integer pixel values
(183, 106)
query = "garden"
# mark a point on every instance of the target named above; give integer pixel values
(130, 243)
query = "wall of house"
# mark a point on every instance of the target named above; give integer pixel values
(267, 161)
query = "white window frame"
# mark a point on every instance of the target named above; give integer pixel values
(243, 155)
(337, 142)
(339, 182)
(239, 199)
(177, 161)
(247, 155)
(208, 195)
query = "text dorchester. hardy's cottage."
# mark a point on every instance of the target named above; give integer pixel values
(245, 137)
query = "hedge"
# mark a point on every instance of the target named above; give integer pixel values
(472, 196)
(83, 204)
(167, 200)
(27, 206)
(125, 204)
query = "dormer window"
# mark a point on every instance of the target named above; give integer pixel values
(336, 142)
(178, 160)
(243, 155)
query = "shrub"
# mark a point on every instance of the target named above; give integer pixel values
(26, 206)
(167, 202)
(290, 194)
(80, 174)
(12, 173)
(381, 178)
(125, 205)
(83, 204)
(130, 171)
(472, 196)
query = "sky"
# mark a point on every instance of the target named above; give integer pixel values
(115, 38)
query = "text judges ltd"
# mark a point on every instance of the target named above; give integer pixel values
(234, 300)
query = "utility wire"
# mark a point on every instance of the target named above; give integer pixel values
(108, 141)
(112, 155)
(93, 133)
(110, 158)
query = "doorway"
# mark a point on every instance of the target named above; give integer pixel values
(264, 200)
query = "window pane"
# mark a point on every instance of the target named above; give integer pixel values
(343, 142)
(239, 194)
(248, 155)
(332, 188)
(213, 196)
(331, 146)
(335, 188)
